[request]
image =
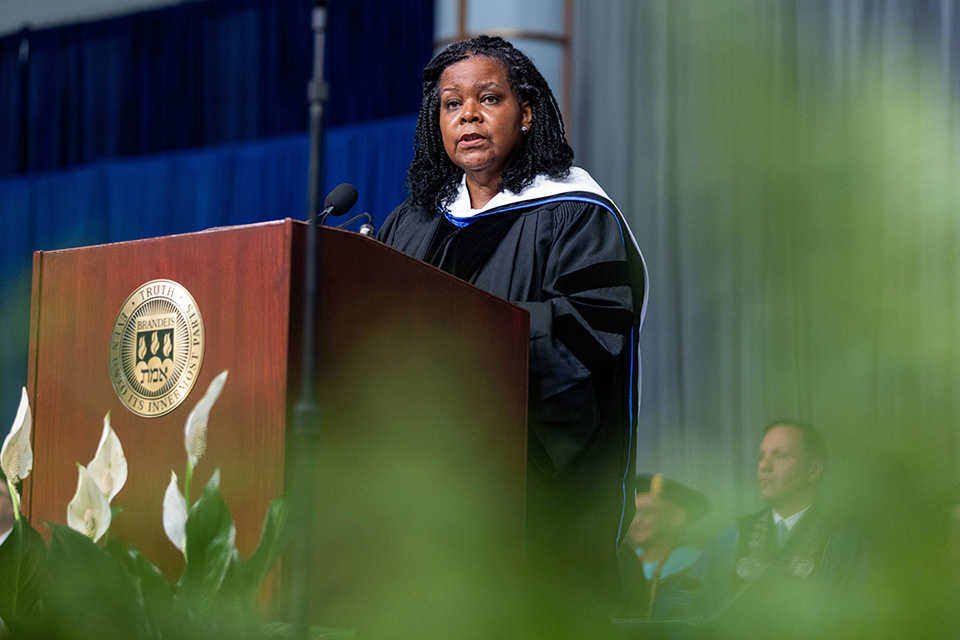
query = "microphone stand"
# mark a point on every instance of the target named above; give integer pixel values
(306, 413)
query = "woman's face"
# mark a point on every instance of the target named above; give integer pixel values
(480, 118)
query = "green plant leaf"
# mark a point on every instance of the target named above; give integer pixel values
(155, 595)
(274, 540)
(233, 605)
(237, 598)
(211, 548)
(23, 559)
(90, 592)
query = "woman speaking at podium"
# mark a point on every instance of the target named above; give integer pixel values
(495, 200)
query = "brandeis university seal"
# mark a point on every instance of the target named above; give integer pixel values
(156, 348)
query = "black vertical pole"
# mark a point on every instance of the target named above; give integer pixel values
(307, 415)
(24, 139)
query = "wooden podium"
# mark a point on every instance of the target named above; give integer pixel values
(422, 387)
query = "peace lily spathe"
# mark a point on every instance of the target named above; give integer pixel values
(175, 514)
(89, 511)
(109, 466)
(16, 456)
(195, 442)
(195, 430)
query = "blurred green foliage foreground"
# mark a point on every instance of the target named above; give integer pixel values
(820, 183)
(813, 155)
(79, 589)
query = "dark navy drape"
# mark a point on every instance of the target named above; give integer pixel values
(198, 74)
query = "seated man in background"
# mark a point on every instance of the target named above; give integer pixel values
(656, 552)
(782, 571)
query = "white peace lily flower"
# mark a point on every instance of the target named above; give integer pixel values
(109, 467)
(175, 514)
(89, 511)
(195, 431)
(16, 456)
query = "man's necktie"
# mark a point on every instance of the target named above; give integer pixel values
(781, 534)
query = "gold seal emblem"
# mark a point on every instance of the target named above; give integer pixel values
(156, 348)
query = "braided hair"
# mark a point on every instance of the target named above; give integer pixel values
(433, 179)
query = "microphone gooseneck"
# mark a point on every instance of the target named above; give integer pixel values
(366, 215)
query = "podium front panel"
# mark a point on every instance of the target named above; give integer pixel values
(422, 380)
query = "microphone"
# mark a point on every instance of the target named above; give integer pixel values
(338, 202)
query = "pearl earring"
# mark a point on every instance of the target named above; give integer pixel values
(523, 128)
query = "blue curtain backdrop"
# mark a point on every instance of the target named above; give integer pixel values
(191, 117)
(201, 73)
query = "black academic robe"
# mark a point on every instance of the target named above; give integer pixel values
(744, 584)
(570, 261)
(656, 598)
